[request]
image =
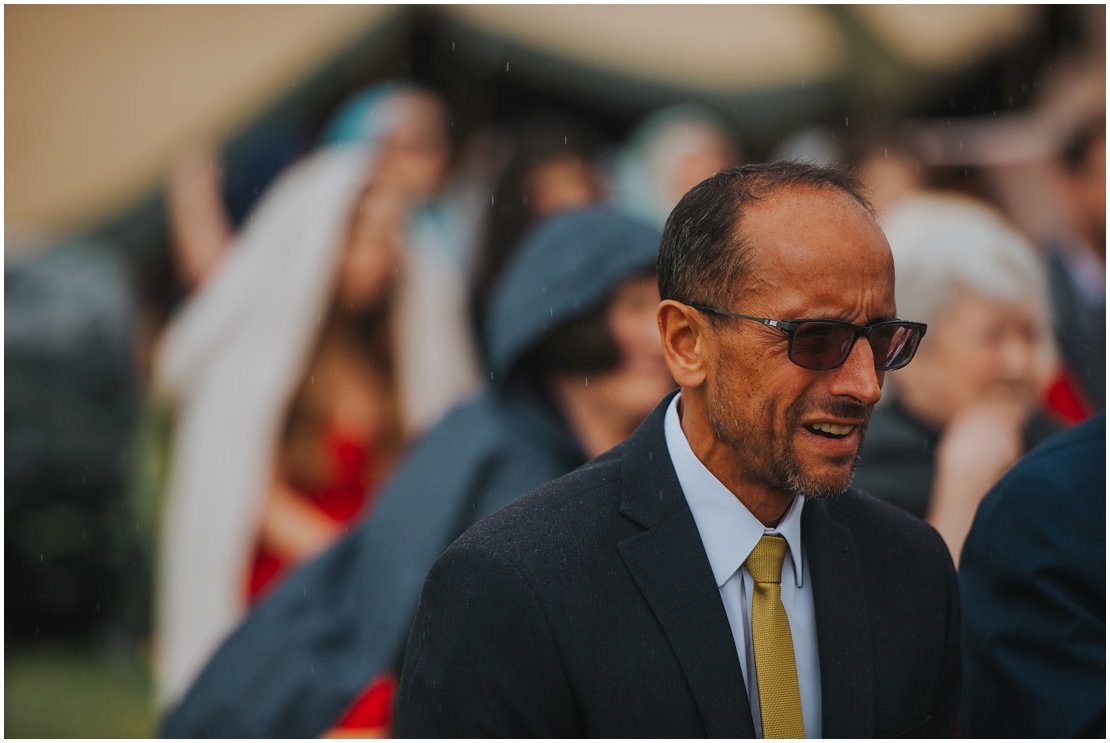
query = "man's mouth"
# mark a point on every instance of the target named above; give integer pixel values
(830, 430)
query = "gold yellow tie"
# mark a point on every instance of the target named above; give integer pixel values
(780, 702)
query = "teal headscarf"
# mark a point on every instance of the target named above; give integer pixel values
(370, 115)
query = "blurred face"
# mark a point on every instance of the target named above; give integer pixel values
(635, 388)
(979, 350)
(559, 184)
(714, 154)
(373, 250)
(817, 254)
(414, 156)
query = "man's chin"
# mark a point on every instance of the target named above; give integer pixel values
(828, 483)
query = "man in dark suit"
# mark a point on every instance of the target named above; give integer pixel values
(714, 574)
(1033, 581)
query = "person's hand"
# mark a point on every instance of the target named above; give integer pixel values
(201, 227)
(978, 445)
(292, 527)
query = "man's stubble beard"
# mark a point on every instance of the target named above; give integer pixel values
(774, 461)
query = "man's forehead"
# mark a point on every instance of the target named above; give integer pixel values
(817, 253)
(804, 226)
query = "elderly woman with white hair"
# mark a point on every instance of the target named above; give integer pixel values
(967, 408)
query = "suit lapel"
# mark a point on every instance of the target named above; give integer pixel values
(670, 567)
(843, 629)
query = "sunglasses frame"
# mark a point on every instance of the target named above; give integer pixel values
(791, 326)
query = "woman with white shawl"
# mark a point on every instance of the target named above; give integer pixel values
(318, 310)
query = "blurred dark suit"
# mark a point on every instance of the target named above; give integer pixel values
(1033, 580)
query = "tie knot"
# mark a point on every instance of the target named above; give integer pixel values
(765, 561)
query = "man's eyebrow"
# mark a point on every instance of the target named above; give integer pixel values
(884, 317)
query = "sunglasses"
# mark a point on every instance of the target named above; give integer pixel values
(826, 344)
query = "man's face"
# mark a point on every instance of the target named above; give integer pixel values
(816, 255)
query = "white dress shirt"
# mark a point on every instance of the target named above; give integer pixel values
(729, 533)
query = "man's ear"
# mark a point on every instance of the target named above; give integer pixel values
(685, 342)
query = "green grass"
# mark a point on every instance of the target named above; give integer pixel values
(64, 693)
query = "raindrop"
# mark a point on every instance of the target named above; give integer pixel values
(506, 67)
(845, 121)
(886, 154)
(452, 46)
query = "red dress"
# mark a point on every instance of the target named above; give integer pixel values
(344, 500)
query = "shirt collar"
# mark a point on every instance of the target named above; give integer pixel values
(728, 529)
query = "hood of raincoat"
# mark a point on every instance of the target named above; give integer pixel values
(565, 267)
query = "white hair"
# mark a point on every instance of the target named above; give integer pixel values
(944, 243)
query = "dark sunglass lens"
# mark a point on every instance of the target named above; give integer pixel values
(894, 345)
(821, 345)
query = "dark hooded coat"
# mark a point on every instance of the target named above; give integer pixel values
(299, 660)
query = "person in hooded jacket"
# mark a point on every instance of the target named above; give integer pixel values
(577, 365)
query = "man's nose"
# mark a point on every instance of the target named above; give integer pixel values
(856, 377)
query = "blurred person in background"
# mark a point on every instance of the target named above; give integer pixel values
(73, 565)
(810, 144)
(967, 408)
(890, 174)
(317, 346)
(667, 154)
(1033, 595)
(1077, 268)
(551, 169)
(578, 365)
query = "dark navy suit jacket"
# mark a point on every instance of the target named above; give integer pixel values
(588, 608)
(1033, 579)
